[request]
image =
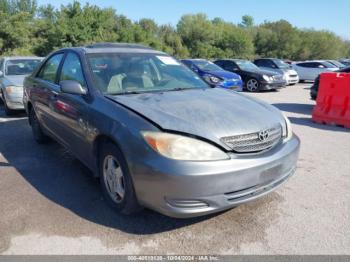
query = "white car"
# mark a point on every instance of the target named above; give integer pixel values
(278, 66)
(310, 70)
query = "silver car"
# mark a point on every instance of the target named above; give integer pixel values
(310, 70)
(279, 66)
(13, 70)
(157, 135)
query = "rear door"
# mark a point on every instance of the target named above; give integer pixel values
(308, 70)
(43, 88)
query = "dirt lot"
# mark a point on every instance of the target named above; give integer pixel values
(50, 205)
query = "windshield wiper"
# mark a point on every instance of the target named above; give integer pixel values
(180, 89)
(126, 93)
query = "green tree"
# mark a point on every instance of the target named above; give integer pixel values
(277, 39)
(197, 34)
(320, 45)
(247, 21)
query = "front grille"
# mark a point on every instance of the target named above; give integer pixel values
(254, 142)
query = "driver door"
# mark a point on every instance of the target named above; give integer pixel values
(70, 111)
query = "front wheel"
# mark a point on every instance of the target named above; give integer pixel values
(252, 85)
(116, 182)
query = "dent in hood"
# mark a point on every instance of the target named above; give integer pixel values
(207, 113)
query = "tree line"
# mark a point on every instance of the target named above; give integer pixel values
(29, 29)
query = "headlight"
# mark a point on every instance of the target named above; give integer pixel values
(183, 148)
(267, 78)
(13, 89)
(212, 79)
(287, 130)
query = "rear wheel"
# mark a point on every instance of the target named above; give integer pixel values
(38, 133)
(252, 85)
(116, 182)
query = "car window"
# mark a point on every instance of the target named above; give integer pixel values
(308, 65)
(72, 70)
(328, 65)
(21, 66)
(206, 65)
(246, 65)
(49, 70)
(336, 63)
(229, 66)
(281, 64)
(264, 63)
(120, 73)
(219, 63)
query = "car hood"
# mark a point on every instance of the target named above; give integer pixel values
(224, 74)
(263, 72)
(207, 113)
(14, 80)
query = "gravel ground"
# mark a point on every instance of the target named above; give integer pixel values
(50, 205)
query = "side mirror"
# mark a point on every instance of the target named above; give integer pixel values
(72, 87)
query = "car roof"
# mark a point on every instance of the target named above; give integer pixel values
(21, 57)
(268, 59)
(310, 61)
(115, 48)
(231, 59)
(195, 59)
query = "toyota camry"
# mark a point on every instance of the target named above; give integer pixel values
(156, 134)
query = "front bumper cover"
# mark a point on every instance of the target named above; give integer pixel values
(190, 189)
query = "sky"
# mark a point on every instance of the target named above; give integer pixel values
(331, 15)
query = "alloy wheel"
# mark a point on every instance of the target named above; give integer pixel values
(113, 178)
(252, 85)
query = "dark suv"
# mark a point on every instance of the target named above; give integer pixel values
(155, 133)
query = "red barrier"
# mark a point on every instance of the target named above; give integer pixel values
(333, 100)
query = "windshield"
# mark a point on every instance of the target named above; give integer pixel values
(246, 65)
(120, 73)
(206, 65)
(328, 65)
(21, 66)
(337, 64)
(280, 64)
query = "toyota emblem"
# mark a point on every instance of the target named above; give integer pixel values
(264, 135)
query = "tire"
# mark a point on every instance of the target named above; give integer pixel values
(116, 182)
(8, 111)
(38, 134)
(252, 85)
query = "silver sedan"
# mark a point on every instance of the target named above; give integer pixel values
(13, 70)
